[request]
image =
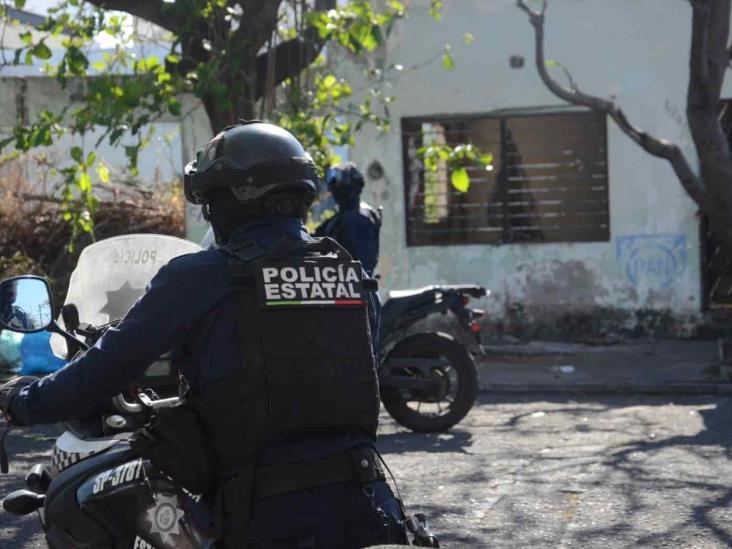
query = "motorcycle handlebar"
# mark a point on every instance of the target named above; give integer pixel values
(124, 406)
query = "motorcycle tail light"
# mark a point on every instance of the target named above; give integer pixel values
(474, 327)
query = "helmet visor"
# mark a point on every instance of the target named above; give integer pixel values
(334, 177)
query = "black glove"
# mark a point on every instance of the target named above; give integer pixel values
(9, 390)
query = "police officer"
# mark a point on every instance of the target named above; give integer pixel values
(356, 225)
(280, 365)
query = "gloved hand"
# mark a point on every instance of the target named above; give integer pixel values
(9, 390)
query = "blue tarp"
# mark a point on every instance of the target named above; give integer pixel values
(27, 354)
(36, 355)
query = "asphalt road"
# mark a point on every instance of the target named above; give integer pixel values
(543, 471)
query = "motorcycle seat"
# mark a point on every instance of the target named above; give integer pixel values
(402, 294)
(401, 301)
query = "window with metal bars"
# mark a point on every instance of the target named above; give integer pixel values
(548, 182)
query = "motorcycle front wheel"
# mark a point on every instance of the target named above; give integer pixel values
(456, 377)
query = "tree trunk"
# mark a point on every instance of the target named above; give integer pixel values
(222, 117)
(708, 63)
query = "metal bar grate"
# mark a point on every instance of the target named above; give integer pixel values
(549, 182)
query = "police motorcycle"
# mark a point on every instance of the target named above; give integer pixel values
(428, 380)
(96, 491)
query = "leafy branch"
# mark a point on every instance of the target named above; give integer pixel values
(456, 160)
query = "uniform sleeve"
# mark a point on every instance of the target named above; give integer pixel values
(160, 320)
(374, 309)
(360, 236)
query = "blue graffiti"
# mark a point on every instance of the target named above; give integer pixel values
(655, 260)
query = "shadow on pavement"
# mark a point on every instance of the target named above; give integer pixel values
(453, 441)
(574, 470)
(643, 469)
(26, 447)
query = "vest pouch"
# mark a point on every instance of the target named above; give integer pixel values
(175, 442)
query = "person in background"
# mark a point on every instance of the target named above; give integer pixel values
(356, 225)
(13, 315)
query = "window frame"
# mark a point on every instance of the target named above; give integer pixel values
(502, 116)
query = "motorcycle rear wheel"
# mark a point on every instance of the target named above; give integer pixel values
(461, 374)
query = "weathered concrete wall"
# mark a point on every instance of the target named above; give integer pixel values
(175, 141)
(634, 51)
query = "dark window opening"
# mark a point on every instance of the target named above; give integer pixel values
(548, 183)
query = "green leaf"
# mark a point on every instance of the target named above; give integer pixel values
(552, 63)
(20, 4)
(91, 158)
(174, 106)
(460, 180)
(84, 182)
(397, 7)
(448, 63)
(77, 154)
(41, 51)
(436, 9)
(103, 172)
(486, 159)
(26, 37)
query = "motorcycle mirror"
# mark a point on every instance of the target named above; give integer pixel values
(22, 502)
(26, 305)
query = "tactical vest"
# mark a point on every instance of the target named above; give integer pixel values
(308, 366)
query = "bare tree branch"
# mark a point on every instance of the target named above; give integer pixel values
(162, 14)
(652, 145)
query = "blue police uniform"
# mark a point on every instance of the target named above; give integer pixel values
(356, 227)
(188, 308)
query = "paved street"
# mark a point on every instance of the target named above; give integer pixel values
(552, 470)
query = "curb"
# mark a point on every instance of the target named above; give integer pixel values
(695, 389)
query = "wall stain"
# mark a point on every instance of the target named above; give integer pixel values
(571, 284)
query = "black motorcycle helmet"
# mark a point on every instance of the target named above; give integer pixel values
(345, 182)
(250, 170)
(251, 159)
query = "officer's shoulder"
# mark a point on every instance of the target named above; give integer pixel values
(367, 209)
(368, 212)
(197, 261)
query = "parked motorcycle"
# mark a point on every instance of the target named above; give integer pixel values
(428, 380)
